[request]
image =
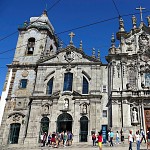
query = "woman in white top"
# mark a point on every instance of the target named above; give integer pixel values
(117, 137)
(138, 139)
(130, 140)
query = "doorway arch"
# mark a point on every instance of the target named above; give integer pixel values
(44, 125)
(64, 122)
(83, 129)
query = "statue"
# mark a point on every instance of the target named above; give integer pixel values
(148, 20)
(134, 21)
(46, 109)
(84, 109)
(134, 115)
(121, 24)
(66, 103)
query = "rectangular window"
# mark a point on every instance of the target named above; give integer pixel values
(104, 88)
(104, 113)
(23, 83)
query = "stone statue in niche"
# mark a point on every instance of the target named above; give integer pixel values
(128, 86)
(84, 109)
(46, 109)
(66, 104)
(134, 115)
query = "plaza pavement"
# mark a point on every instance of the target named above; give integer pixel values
(81, 146)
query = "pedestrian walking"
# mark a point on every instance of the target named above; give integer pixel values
(143, 136)
(94, 139)
(148, 138)
(130, 140)
(111, 138)
(100, 140)
(117, 137)
(138, 140)
(44, 138)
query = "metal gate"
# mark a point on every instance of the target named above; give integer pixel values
(14, 133)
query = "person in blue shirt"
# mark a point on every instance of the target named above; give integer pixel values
(111, 138)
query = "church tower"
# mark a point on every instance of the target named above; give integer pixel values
(36, 41)
(129, 73)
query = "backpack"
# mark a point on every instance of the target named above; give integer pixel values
(93, 137)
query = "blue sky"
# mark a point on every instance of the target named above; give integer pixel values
(66, 15)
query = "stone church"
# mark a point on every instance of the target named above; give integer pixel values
(51, 88)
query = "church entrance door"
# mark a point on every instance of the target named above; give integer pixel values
(64, 122)
(14, 133)
(83, 129)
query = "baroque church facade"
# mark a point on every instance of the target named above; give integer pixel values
(53, 89)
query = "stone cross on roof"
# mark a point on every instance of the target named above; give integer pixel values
(140, 8)
(71, 36)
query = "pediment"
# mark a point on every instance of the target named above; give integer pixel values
(70, 54)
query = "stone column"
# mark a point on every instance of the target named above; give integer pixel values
(76, 121)
(126, 114)
(116, 115)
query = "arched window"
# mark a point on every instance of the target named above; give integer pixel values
(85, 86)
(14, 133)
(31, 44)
(68, 79)
(50, 86)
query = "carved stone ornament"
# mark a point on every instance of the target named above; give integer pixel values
(69, 56)
(146, 54)
(16, 117)
(144, 47)
(25, 73)
(143, 42)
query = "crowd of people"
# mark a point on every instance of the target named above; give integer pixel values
(56, 139)
(138, 137)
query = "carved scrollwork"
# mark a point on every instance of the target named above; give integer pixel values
(16, 117)
(143, 42)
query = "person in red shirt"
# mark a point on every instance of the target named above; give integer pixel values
(100, 140)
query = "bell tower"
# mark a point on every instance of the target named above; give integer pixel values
(36, 39)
